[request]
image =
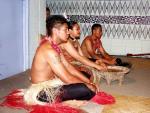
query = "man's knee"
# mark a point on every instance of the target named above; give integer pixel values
(77, 91)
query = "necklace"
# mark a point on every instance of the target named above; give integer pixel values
(54, 45)
(73, 39)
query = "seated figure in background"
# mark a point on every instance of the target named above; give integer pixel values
(93, 49)
(48, 13)
(73, 52)
(92, 46)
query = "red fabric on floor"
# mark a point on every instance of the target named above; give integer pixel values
(103, 98)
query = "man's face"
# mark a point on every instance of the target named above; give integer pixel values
(98, 32)
(75, 31)
(63, 33)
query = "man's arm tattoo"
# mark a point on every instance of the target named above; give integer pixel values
(56, 60)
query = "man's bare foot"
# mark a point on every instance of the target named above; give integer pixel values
(75, 103)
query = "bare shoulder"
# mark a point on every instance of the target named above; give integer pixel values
(47, 50)
(50, 51)
(86, 39)
(44, 54)
(51, 56)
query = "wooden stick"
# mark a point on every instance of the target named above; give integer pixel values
(142, 54)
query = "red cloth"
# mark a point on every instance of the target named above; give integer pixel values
(103, 98)
(15, 100)
(55, 108)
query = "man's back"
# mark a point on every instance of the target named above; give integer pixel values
(41, 70)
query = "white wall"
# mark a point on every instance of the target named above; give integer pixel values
(11, 33)
(37, 26)
(136, 39)
(126, 23)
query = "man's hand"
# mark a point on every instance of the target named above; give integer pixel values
(98, 87)
(99, 61)
(102, 65)
(92, 87)
(103, 68)
(113, 61)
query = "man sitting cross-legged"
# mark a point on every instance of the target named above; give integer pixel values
(53, 78)
(93, 49)
(92, 46)
(50, 68)
(73, 52)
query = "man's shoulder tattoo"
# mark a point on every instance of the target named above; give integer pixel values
(56, 60)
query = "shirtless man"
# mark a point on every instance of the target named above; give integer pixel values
(73, 50)
(92, 46)
(73, 53)
(50, 71)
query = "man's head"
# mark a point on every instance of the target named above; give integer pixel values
(57, 26)
(47, 12)
(97, 30)
(74, 29)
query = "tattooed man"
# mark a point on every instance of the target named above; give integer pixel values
(52, 77)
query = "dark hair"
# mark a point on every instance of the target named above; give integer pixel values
(95, 26)
(54, 21)
(47, 9)
(71, 24)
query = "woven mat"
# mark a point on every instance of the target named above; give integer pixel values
(85, 106)
(129, 104)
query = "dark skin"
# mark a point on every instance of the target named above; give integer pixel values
(74, 50)
(89, 51)
(77, 54)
